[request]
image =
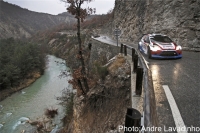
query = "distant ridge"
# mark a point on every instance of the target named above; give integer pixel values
(17, 22)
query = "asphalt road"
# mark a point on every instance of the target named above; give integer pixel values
(182, 76)
(183, 79)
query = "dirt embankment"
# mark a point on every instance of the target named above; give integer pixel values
(104, 107)
(30, 78)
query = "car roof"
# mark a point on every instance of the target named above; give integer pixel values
(156, 34)
(153, 35)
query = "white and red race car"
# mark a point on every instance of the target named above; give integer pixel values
(159, 46)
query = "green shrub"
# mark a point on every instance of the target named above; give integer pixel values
(67, 99)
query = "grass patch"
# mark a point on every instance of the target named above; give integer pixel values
(119, 61)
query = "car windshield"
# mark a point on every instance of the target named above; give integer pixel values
(161, 39)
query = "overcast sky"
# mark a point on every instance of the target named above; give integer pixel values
(56, 6)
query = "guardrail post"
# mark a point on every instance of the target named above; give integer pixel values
(133, 54)
(139, 78)
(135, 63)
(132, 121)
(121, 50)
(89, 46)
(125, 50)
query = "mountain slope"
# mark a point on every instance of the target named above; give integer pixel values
(21, 23)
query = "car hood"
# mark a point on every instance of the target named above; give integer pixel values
(166, 45)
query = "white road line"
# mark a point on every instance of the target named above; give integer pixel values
(175, 111)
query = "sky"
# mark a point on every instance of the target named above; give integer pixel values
(56, 6)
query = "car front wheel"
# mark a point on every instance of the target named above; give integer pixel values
(139, 47)
(149, 53)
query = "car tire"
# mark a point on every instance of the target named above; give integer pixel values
(149, 53)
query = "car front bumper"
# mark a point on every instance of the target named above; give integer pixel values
(167, 54)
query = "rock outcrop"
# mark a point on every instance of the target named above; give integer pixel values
(179, 19)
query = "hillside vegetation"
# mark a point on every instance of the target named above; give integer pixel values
(17, 60)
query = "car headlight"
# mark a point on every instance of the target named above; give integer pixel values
(155, 48)
(178, 48)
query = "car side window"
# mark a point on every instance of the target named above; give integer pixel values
(146, 39)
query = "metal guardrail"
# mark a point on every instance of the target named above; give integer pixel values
(150, 115)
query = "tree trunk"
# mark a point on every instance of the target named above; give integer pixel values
(83, 71)
(80, 85)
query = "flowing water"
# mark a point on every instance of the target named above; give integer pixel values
(31, 102)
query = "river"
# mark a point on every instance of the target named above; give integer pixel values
(31, 102)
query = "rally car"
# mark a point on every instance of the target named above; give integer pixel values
(159, 46)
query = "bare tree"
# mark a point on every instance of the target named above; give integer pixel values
(74, 7)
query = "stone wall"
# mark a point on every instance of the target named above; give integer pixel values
(101, 51)
(179, 19)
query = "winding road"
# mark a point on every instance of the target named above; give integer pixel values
(177, 92)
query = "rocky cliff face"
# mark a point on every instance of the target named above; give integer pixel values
(104, 107)
(179, 19)
(21, 23)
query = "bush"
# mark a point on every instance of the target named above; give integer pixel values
(102, 71)
(67, 100)
(51, 112)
